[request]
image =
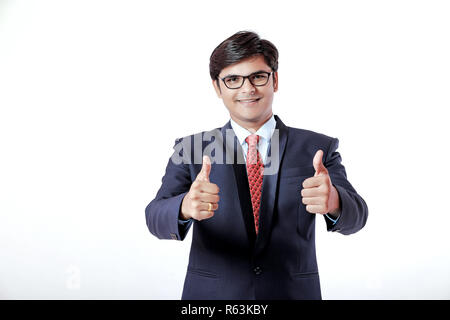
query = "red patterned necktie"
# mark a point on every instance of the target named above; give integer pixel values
(255, 169)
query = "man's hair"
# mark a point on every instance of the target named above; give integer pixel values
(239, 46)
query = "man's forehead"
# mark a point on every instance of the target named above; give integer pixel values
(246, 66)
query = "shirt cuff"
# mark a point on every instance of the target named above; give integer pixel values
(334, 220)
(184, 222)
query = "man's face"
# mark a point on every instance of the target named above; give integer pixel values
(249, 105)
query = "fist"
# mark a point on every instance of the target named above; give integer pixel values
(202, 192)
(318, 193)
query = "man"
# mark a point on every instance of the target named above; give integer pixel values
(253, 203)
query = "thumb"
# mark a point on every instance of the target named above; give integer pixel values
(203, 175)
(317, 163)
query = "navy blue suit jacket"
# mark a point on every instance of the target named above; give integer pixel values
(227, 260)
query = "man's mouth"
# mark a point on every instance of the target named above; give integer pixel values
(249, 101)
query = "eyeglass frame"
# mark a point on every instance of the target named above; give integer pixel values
(247, 77)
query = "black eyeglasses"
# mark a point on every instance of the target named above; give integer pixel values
(258, 79)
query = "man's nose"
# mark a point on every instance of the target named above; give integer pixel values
(247, 86)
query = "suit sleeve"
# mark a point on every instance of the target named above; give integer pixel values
(162, 213)
(354, 209)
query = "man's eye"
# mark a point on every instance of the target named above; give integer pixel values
(232, 79)
(260, 76)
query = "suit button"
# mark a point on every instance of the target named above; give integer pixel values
(257, 270)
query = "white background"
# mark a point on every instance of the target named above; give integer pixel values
(94, 93)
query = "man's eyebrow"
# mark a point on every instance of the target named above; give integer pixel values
(236, 75)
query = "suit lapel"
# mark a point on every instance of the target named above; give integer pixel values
(234, 151)
(270, 186)
(239, 173)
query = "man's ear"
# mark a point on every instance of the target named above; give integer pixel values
(275, 81)
(217, 88)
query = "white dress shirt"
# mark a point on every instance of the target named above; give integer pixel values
(265, 133)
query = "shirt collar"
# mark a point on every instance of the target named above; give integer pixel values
(264, 132)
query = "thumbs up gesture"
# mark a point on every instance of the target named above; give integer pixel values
(202, 199)
(318, 193)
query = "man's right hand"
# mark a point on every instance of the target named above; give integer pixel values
(195, 202)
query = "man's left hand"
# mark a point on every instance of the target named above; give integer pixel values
(318, 193)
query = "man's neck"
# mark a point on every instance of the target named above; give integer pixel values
(252, 126)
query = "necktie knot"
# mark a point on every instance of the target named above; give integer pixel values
(252, 140)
